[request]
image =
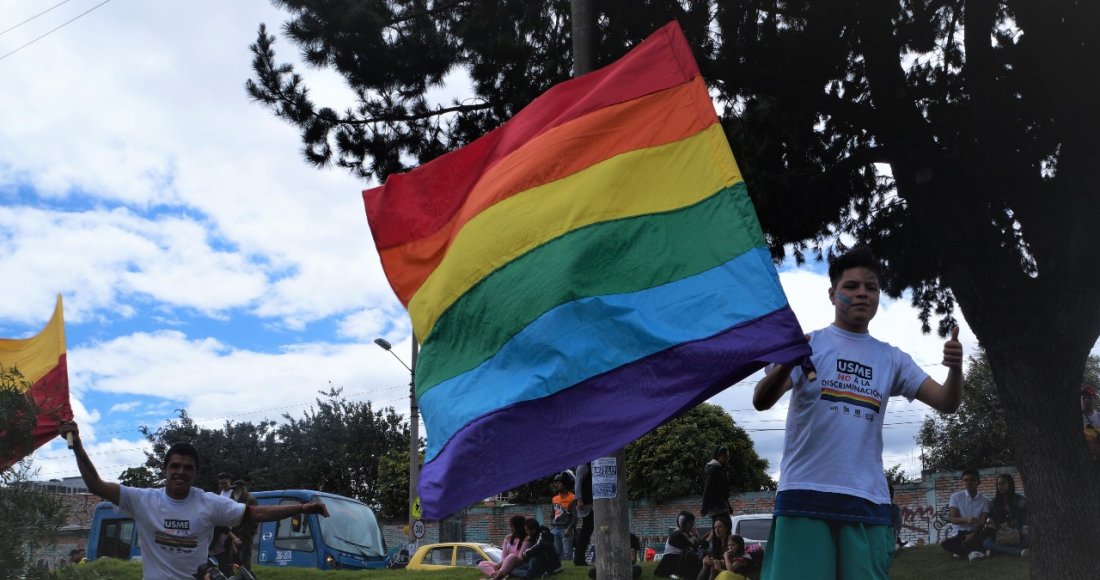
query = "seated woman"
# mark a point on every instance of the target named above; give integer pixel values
(716, 545)
(513, 545)
(513, 556)
(1009, 517)
(735, 561)
(541, 559)
(680, 557)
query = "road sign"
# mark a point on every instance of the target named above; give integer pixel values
(418, 529)
(415, 511)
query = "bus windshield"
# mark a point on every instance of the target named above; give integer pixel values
(351, 527)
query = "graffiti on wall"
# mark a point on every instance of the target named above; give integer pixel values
(922, 519)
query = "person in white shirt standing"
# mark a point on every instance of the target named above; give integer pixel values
(969, 511)
(832, 509)
(176, 523)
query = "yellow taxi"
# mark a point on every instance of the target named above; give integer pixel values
(449, 555)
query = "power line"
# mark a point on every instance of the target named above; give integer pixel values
(5, 31)
(64, 24)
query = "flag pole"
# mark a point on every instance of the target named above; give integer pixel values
(610, 514)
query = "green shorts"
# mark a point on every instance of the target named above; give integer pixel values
(811, 549)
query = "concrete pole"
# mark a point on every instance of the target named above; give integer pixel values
(612, 533)
(583, 15)
(612, 521)
(414, 441)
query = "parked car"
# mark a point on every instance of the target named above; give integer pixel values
(755, 528)
(453, 554)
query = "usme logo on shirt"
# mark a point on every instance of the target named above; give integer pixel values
(177, 524)
(853, 368)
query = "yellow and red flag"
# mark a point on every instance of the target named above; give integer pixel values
(40, 360)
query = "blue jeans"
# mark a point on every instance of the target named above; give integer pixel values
(992, 545)
(563, 544)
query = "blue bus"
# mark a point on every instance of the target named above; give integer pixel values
(349, 539)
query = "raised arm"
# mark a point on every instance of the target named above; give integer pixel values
(772, 387)
(107, 490)
(946, 398)
(271, 513)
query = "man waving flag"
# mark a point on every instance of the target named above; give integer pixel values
(592, 267)
(34, 371)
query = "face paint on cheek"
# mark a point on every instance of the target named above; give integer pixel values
(843, 302)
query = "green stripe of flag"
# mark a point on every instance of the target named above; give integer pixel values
(615, 257)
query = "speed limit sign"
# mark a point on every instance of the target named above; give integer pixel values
(418, 529)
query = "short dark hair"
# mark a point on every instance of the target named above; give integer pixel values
(972, 471)
(182, 448)
(857, 257)
(224, 475)
(721, 450)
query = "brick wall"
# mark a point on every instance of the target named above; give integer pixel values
(923, 507)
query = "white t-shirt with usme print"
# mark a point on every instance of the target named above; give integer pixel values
(175, 534)
(833, 439)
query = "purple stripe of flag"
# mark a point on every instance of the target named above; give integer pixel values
(600, 415)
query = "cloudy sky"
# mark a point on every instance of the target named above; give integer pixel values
(203, 264)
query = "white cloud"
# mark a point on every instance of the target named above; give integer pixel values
(124, 407)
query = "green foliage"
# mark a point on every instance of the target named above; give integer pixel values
(337, 446)
(18, 414)
(140, 477)
(668, 462)
(977, 435)
(393, 485)
(30, 519)
(896, 475)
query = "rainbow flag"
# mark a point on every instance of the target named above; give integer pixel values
(40, 360)
(578, 276)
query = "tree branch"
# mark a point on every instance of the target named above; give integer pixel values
(418, 117)
(855, 114)
(429, 12)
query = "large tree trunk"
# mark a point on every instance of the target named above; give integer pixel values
(1038, 369)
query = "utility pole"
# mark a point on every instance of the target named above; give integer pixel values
(610, 514)
(416, 527)
(414, 450)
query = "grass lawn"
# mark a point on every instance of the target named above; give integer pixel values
(933, 562)
(912, 564)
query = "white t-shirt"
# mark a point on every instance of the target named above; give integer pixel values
(175, 534)
(1092, 419)
(833, 439)
(969, 507)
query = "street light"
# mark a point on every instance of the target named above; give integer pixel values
(414, 428)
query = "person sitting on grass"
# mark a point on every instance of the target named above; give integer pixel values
(1009, 518)
(681, 550)
(512, 549)
(969, 510)
(541, 558)
(735, 561)
(716, 541)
